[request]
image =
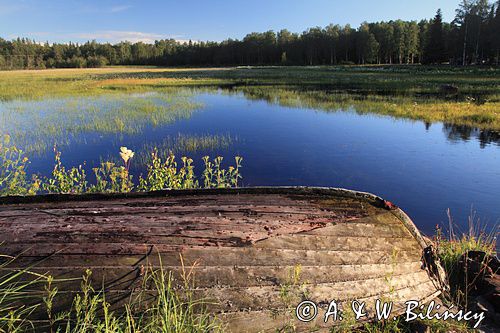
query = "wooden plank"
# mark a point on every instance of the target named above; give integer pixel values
(228, 299)
(244, 205)
(221, 256)
(138, 230)
(236, 276)
(272, 321)
(235, 299)
(258, 316)
(133, 246)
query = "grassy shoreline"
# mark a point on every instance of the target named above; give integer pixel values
(412, 92)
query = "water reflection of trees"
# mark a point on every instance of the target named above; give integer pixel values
(331, 100)
(457, 133)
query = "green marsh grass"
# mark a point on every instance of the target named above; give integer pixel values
(13, 174)
(17, 296)
(408, 83)
(194, 143)
(162, 303)
(38, 125)
(429, 109)
(452, 247)
(183, 144)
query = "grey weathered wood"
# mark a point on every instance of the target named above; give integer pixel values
(243, 244)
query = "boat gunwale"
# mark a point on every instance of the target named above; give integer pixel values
(283, 190)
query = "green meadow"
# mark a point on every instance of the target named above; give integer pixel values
(413, 92)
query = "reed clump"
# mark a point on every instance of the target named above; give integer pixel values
(13, 176)
(161, 303)
(456, 246)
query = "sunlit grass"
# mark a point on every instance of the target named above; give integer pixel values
(163, 172)
(430, 109)
(161, 303)
(455, 244)
(399, 91)
(17, 299)
(38, 84)
(183, 144)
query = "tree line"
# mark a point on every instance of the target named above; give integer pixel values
(473, 37)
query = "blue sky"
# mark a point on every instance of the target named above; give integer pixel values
(109, 20)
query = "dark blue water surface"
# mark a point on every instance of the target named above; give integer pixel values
(423, 169)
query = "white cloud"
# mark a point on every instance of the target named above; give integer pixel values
(92, 8)
(117, 9)
(10, 8)
(119, 36)
(111, 36)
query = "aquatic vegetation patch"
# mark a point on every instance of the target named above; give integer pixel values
(37, 125)
(194, 143)
(182, 144)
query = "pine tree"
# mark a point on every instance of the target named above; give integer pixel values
(435, 51)
(496, 33)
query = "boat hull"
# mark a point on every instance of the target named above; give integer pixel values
(255, 254)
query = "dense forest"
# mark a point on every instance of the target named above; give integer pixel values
(473, 37)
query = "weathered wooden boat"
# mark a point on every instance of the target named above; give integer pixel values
(245, 243)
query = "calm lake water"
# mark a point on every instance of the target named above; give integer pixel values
(423, 169)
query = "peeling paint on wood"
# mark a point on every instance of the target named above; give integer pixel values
(245, 242)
